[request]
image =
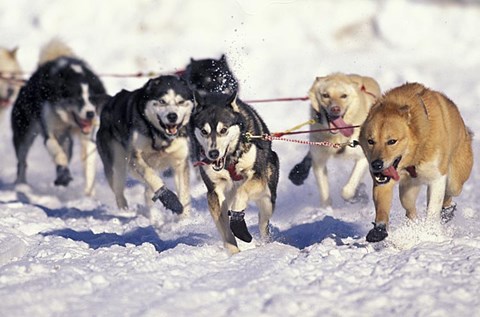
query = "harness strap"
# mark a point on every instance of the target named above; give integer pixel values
(367, 92)
(230, 168)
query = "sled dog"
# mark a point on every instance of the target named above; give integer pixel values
(145, 131)
(234, 168)
(415, 136)
(10, 79)
(60, 100)
(211, 76)
(338, 102)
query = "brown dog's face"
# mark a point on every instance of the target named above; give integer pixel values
(384, 138)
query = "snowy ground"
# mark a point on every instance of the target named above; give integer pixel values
(63, 254)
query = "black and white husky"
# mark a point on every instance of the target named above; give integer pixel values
(210, 75)
(234, 168)
(145, 131)
(61, 99)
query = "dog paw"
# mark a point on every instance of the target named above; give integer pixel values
(63, 176)
(448, 213)
(378, 233)
(168, 199)
(359, 196)
(299, 173)
(238, 226)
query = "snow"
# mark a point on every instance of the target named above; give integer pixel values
(64, 254)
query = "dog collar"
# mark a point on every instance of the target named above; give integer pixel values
(233, 173)
(229, 168)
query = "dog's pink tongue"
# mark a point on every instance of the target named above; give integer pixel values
(391, 172)
(344, 128)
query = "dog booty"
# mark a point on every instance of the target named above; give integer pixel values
(299, 172)
(378, 233)
(63, 176)
(238, 226)
(168, 199)
(448, 213)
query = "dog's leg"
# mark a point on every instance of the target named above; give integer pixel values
(115, 167)
(382, 198)
(349, 190)
(88, 159)
(22, 142)
(409, 190)
(237, 213)
(114, 159)
(435, 197)
(61, 161)
(162, 193)
(321, 175)
(219, 212)
(299, 172)
(265, 205)
(182, 184)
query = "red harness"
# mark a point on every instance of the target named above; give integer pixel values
(230, 168)
(233, 173)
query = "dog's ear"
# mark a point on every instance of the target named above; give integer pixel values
(100, 101)
(232, 101)
(13, 52)
(198, 100)
(405, 112)
(150, 85)
(312, 94)
(223, 59)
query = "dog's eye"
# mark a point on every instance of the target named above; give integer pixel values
(223, 131)
(326, 96)
(344, 96)
(391, 142)
(370, 141)
(204, 132)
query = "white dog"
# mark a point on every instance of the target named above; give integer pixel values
(339, 102)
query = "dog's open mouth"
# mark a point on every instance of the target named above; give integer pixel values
(337, 124)
(85, 125)
(387, 174)
(4, 102)
(219, 164)
(171, 129)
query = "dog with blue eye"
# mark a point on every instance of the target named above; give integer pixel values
(144, 132)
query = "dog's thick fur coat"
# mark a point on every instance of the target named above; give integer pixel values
(338, 101)
(61, 99)
(415, 136)
(235, 170)
(144, 131)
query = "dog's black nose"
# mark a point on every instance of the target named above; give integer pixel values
(90, 114)
(213, 154)
(377, 165)
(172, 117)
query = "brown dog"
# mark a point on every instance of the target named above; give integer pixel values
(416, 136)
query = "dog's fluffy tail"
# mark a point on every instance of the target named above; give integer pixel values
(54, 49)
